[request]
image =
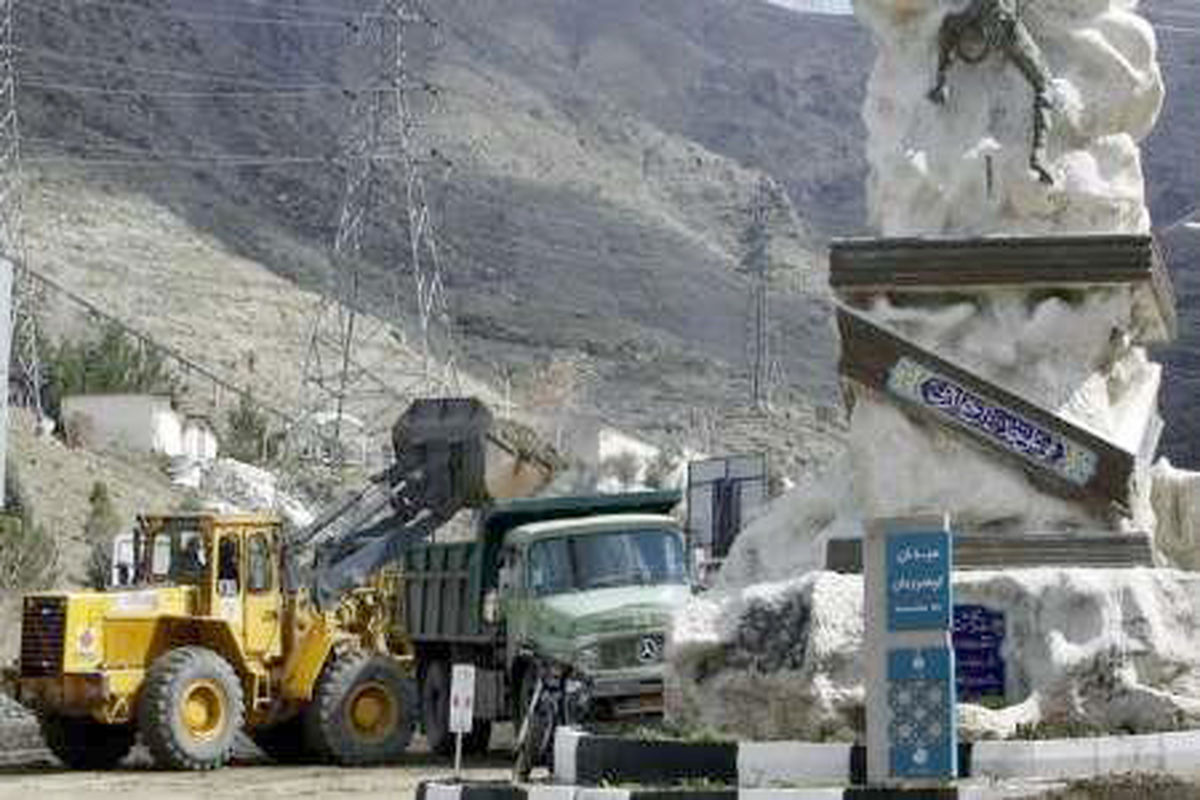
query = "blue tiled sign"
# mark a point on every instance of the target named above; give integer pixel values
(978, 642)
(918, 581)
(922, 741)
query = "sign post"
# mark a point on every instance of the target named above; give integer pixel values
(911, 733)
(462, 708)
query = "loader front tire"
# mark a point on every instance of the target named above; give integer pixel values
(84, 743)
(191, 709)
(363, 711)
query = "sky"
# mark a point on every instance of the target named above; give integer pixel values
(815, 6)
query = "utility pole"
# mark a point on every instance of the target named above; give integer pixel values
(383, 124)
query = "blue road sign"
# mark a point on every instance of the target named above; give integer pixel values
(918, 581)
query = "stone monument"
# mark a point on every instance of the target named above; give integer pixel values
(994, 365)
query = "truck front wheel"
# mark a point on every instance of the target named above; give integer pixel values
(435, 708)
(362, 711)
(191, 709)
(478, 741)
(84, 743)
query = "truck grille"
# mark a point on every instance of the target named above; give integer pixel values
(632, 651)
(42, 636)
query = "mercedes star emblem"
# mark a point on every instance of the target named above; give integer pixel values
(650, 649)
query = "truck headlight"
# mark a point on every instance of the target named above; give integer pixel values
(491, 607)
(588, 658)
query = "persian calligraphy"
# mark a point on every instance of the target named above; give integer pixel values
(916, 383)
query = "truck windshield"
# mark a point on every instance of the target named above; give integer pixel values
(600, 560)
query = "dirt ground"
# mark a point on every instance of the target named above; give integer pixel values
(48, 782)
(27, 770)
(29, 773)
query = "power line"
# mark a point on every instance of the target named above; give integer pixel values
(155, 163)
(215, 77)
(346, 91)
(347, 24)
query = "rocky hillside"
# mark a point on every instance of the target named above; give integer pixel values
(1173, 171)
(595, 163)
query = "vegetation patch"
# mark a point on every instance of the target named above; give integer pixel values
(1130, 786)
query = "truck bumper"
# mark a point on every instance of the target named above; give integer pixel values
(618, 697)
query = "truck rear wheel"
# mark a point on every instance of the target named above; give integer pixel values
(435, 708)
(84, 743)
(362, 711)
(284, 742)
(191, 709)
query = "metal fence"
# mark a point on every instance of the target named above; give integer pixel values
(722, 494)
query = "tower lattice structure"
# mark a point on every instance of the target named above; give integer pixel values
(347, 349)
(758, 263)
(26, 364)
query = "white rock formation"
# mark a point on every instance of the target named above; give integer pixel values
(929, 163)
(1115, 650)
(1176, 498)
(963, 169)
(230, 486)
(1077, 360)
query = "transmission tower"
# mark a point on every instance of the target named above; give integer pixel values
(758, 263)
(26, 291)
(380, 154)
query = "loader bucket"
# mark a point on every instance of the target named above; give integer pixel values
(444, 440)
(467, 458)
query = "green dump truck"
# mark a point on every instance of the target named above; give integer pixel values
(586, 584)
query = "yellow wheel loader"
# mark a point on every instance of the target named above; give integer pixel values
(224, 626)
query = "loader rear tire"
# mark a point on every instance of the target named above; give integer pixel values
(84, 743)
(363, 711)
(191, 709)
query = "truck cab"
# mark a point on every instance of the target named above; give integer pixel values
(596, 594)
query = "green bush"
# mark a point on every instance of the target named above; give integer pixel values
(101, 528)
(114, 363)
(28, 554)
(246, 432)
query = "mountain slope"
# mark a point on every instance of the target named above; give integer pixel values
(601, 160)
(571, 224)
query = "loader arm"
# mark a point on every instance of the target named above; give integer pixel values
(440, 468)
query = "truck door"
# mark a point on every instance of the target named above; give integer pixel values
(229, 581)
(513, 600)
(263, 601)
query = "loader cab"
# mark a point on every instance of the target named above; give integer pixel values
(232, 561)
